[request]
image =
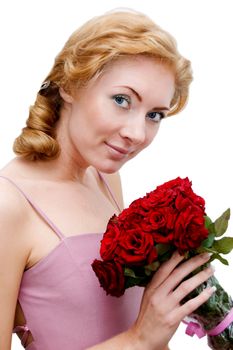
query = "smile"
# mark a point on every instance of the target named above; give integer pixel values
(116, 152)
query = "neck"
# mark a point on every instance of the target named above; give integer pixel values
(62, 169)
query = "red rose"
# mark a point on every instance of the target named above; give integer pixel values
(132, 217)
(184, 199)
(129, 219)
(159, 219)
(136, 248)
(160, 223)
(135, 208)
(111, 276)
(154, 221)
(189, 229)
(136, 205)
(182, 184)
(110, 240)
(182, 193)
(158, 198)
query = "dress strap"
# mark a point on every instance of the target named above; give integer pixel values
(109, 190)
(37, 209)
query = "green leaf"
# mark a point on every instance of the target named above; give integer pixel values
(209, 224)
(211, 250)
(137, 281)
(212, 229)
(220, 258)
(128, 272)
(148, 272)
(208, 221)
(162, 248)
(224, 245)
(221, 223)
(208, 242)
(151, 268)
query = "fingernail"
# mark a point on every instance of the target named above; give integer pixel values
(212, 267)
(212, 289)
(177, 254)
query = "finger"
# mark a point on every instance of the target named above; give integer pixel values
(165, 270)
(190, 284)
(184, 269)
(190, 306)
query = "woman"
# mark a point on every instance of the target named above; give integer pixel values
(111, 85)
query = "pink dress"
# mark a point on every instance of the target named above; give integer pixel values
(63, 304)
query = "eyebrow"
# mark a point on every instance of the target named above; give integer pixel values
(163, 108)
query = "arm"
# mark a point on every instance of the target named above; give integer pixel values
(13, 256)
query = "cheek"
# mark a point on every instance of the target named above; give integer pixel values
(99, 117)
(83, 120)
(150, 135)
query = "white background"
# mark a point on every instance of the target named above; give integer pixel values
(196, 143)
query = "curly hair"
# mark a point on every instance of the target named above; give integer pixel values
(90, 48)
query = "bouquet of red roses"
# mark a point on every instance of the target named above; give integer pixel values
(144, 235)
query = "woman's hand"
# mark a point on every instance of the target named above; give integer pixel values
(161, 311)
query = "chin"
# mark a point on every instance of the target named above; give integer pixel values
(108, 168)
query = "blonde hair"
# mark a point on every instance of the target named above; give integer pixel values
(97, 43)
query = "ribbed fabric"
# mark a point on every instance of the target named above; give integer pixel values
(63, 304)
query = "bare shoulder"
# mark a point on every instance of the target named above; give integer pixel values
(11, 203)
(13, 213)
(114, 181)
(14, 243)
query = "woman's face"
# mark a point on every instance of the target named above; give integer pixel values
(118, 114)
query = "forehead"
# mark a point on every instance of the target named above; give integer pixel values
(144, 74)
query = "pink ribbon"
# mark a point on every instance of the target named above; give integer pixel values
(25, 334)
(194, 328)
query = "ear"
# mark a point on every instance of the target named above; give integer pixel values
(66, 97)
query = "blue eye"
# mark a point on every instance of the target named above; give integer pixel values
(155, 116)
(121, 100)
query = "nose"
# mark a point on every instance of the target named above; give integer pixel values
(134, 129)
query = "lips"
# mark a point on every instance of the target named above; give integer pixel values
(119, 149)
